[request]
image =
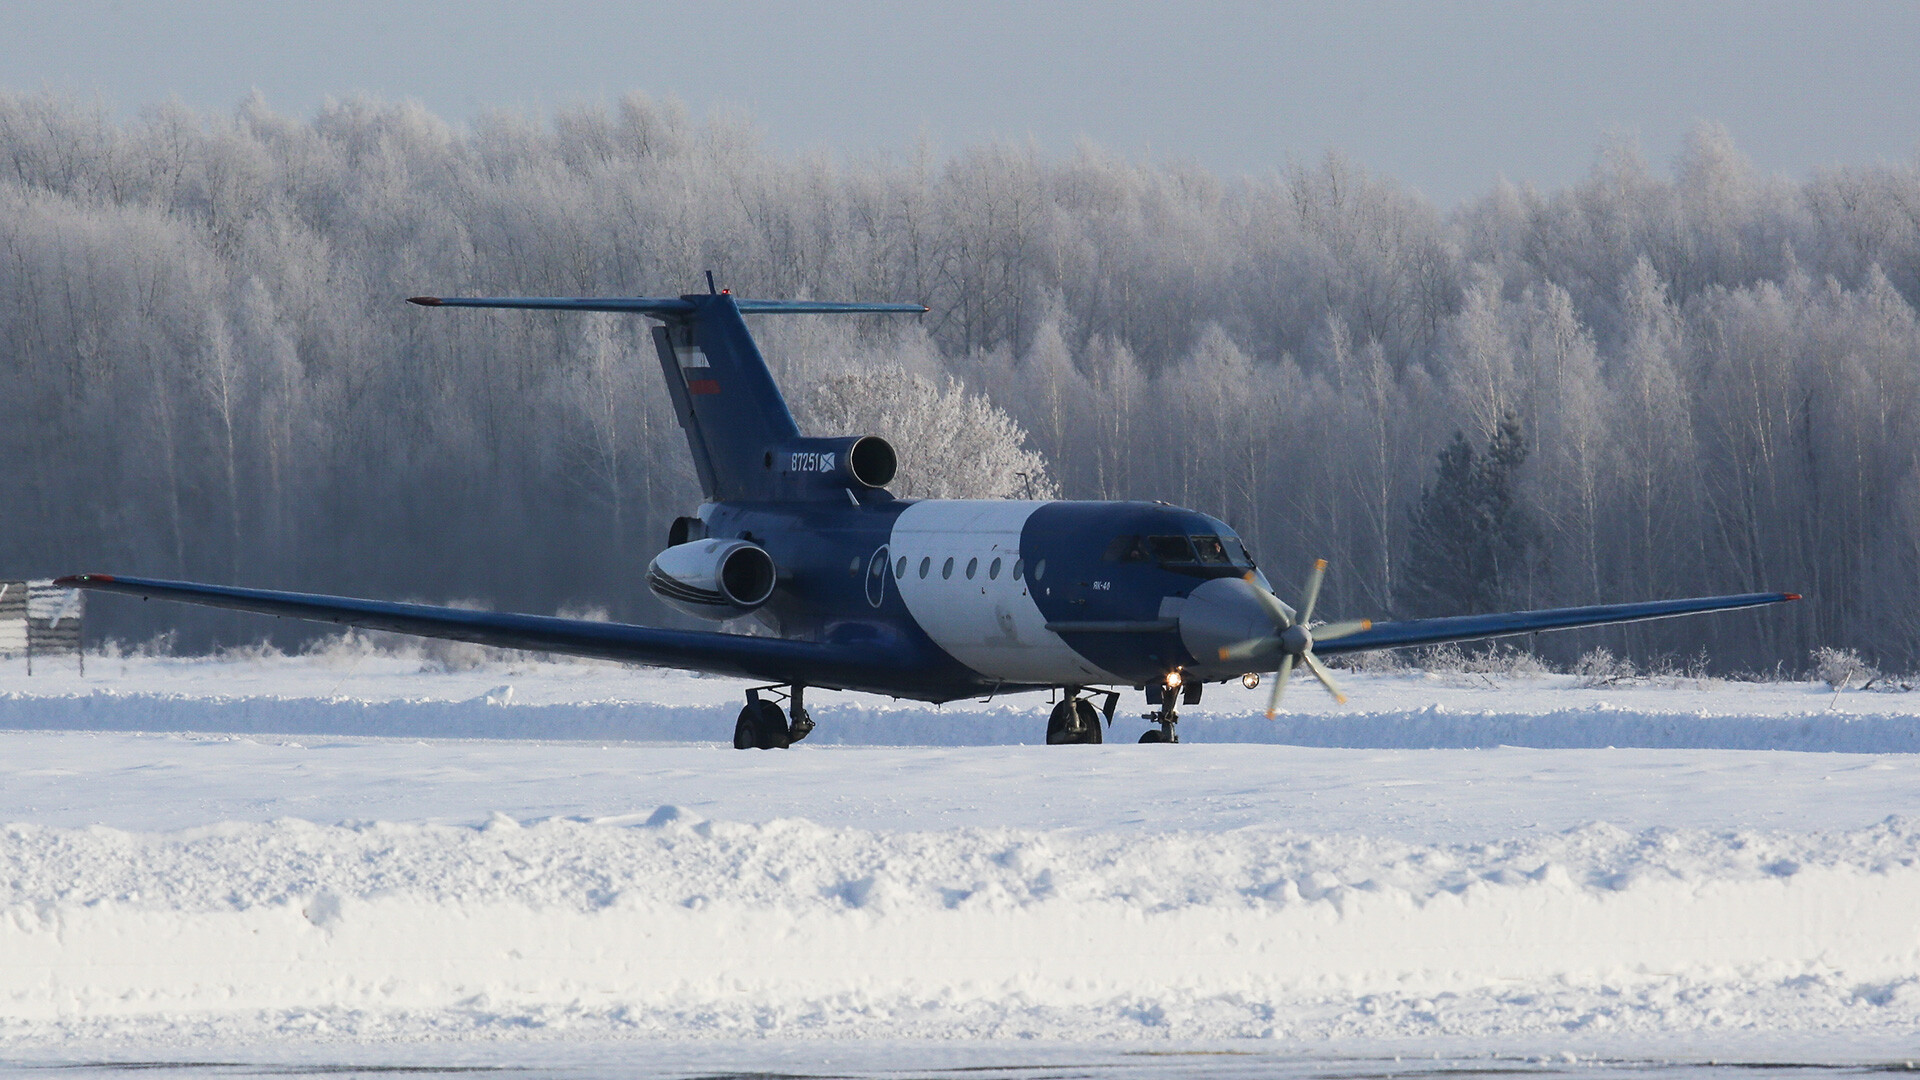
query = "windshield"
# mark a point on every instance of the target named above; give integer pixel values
(1201, 549)
(1210, 550)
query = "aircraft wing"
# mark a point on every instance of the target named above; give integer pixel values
(1393, 635)
(823, 664)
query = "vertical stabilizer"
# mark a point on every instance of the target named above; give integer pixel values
(744, 442)
(725, 398)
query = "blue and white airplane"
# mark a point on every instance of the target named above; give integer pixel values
(930, 599)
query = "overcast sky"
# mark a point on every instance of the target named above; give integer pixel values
(1445, 96)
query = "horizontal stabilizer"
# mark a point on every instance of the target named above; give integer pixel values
(663, 307)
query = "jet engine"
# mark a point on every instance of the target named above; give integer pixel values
(713, 579)
(818, 465)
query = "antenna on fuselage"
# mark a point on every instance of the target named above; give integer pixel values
(710, 287)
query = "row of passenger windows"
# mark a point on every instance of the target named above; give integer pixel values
(1203, 549)
(973, 567)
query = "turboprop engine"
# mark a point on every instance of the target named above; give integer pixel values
(713, 579)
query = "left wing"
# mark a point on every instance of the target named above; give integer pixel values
(823, 664)
(1395, 635)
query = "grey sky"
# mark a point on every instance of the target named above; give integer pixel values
(1444, 96)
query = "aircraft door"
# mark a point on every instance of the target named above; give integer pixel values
(877, 577)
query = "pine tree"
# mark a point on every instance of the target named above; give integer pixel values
(1470, 538)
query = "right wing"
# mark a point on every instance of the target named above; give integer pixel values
(870, 664)
(1395, 635)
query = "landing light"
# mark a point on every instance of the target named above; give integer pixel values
(1173, 678)
(1251, 680)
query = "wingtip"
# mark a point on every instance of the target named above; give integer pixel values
(1319, 564)
(1271, 713)
(424, 301)
(1792, 596)
(1223, 652)
(75, 580)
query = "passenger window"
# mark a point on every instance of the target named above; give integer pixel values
(1018, 566)
(1173, 549)
(1126, 549)
(900, 569)
(947, 570)
(924, 565)
(1210, 549)
(972, 565)
(993, 570)
(1039, 569)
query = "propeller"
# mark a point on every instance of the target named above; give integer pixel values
(1296, 637)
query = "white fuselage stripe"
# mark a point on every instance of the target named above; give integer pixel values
(987, 621)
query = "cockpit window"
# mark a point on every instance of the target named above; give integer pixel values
(1201, 550)
(1244, 557)
(1210, 550)
(1170, 549)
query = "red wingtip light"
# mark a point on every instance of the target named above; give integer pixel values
(1793, 596)
(424, 301)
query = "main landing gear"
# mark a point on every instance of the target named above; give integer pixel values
(1075, 720)
(763, 726)
(1166, 696)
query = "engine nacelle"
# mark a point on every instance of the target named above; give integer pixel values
(854, 461)
(714, 579)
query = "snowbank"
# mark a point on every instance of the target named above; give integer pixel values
(181, 887)
(678, 926)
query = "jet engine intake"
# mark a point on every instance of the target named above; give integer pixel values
(865, 461)
(713, 579)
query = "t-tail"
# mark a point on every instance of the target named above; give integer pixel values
(744, 442)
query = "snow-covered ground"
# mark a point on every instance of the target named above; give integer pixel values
(321, 852)
(355, 691)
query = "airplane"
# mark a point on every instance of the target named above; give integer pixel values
(928, 599)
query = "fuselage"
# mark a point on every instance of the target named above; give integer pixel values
(991, 595)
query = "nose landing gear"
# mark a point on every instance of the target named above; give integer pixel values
(1167, 696)
(762, 726)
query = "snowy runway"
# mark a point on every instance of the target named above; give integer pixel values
(163, 887)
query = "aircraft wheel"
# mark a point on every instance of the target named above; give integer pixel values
(1156, 735)
(1073, 721)
(761, 725)
(772, 727)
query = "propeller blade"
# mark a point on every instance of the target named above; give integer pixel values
(1244, 649)
(1326, 678)
(1268, 603)
(1334, 630)
(1312, 592)
(1279, 685)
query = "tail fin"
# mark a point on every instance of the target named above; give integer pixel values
(736, 421)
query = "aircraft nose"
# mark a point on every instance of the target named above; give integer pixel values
(1222, 613)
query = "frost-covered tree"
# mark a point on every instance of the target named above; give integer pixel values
(952, 444)
(208, 370)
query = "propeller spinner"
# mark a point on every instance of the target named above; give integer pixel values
(1295, 638)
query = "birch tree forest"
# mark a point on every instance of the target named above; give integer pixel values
(209, 371)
